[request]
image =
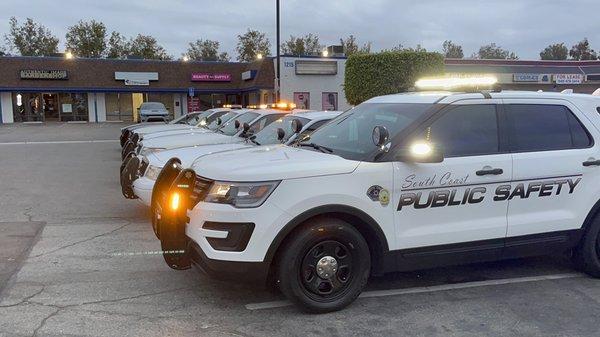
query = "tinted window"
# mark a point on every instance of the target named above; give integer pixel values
(466, 130)
(535, 127)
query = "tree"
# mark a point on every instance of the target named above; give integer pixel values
(495, 52)
(557, 51)
(452, 50)
(206, 50)
(251, 44)
(118, 46)
(31, 38)
(350, 46)
(146, 47)
(2, 51)
(582, 51)
(87, 39)
(305, 45)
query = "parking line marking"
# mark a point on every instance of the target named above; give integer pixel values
(63, 142)
(431, 289)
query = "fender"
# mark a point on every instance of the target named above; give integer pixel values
(382, 248)
(592, 213)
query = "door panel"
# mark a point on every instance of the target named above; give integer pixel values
(552, 189)
(453, 201)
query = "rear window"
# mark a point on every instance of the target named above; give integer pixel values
(534, 127)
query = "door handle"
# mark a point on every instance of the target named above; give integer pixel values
(486, 172)
(591, 163)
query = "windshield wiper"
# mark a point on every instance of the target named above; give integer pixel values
(220, 130)
(321, 148)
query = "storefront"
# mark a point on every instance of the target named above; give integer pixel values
(48, 89)
(313, 82)
(580, 76)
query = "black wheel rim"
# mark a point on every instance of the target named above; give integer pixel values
(313, 281)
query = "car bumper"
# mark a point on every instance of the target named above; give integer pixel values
(142, 188)
(250, 272)
(265, 222)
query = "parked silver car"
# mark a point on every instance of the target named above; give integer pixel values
(153, 111)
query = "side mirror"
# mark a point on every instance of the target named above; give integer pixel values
(296, 125)
(380, 136)
(280, 134)
(420, 152)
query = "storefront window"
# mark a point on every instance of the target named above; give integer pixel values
(119, 107)
(73, 107)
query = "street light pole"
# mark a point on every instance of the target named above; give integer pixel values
(277, 77)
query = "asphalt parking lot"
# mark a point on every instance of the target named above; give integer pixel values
(77, 259)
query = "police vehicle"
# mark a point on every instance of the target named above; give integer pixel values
(236, 130)
(198, 122)
(241, 126)
(399, 182)
(286, 130)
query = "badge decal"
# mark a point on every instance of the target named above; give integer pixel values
(378, 193)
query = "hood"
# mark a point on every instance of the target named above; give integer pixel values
(189, 139)
(188, 130)
(161, 127)
(272, 162)
(188, 155)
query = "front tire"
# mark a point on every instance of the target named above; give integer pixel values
(325, 265)
(587, 255)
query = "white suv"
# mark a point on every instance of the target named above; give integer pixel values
(400, 182)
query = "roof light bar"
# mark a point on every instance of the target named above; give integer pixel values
(448, 83)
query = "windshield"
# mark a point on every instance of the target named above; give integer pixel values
(268, 135)
(196, 118)
(213, 125)
(152, 106)
(349, 135)
(229, 127)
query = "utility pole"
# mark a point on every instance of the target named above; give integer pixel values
(277, 77)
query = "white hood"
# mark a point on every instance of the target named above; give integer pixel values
(187, 155)
(188, 130)
(189, 139)
(272, 162)
(160, 128)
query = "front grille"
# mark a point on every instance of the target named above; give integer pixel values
(201, 187)
(143, 166)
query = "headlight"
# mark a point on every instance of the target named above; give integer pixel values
(147, 150)
(243, 195)
(152, 172)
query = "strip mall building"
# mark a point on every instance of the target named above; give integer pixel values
(49, 89)
(44, 89)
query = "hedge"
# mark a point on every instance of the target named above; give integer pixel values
(370, 75)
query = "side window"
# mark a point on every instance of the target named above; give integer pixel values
(466, 130)
(260, 124)
(536, 127)
(309, 130)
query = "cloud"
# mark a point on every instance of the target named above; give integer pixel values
(523, 26)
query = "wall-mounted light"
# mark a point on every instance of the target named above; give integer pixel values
(19, 100)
